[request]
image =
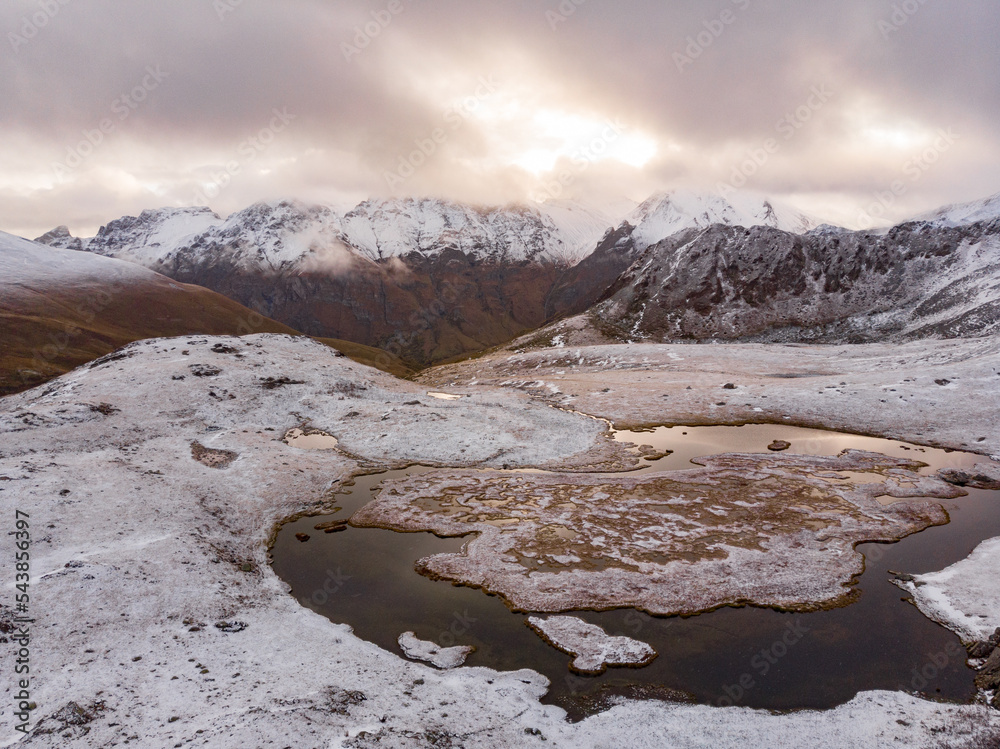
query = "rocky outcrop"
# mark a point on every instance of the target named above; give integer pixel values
(762, 284)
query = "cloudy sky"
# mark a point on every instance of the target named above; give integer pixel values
(858, 110)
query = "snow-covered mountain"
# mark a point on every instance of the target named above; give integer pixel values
(561, 233)
(151, 236)
(963, 214)
(433, 279)
(668, 213)
(281, 235)
(916, 280)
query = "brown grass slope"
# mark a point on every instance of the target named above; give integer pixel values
(46, 332)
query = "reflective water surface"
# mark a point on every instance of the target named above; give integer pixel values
(748, 656)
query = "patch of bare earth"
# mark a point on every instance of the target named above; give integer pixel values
(212, 458)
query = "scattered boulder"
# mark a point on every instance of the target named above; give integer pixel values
(989, 675)
(71, 721)
(231, 627)
(979, 650)
(273, 383)
(729, 386)
(779, 446)
(984, 648)
(332, 526)
(983, 476)
(430, 652)
(303, 537)
(202, 370)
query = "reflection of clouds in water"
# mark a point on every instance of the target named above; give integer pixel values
(693, 442)
(312, 439)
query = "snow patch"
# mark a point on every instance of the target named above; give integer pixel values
(429, 652)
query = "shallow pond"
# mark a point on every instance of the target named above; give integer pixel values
(749, 656)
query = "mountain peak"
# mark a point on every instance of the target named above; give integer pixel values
(61, 238)
(962, 214)
(667, 213)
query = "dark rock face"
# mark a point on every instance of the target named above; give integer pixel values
(762, 284)
(421, 309)
(579, 287)
(61, 238)
(971, 479)
(989, 675)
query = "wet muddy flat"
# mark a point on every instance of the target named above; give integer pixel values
(751, 656)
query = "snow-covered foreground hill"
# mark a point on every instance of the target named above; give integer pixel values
(61, 308)
(154, 478)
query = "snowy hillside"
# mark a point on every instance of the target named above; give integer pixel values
(26, 264)
(962, 214)
(666, 214)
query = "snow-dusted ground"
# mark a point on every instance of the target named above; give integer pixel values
(964, 597)
(594, 648)
(928, 392)
(160, 624)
